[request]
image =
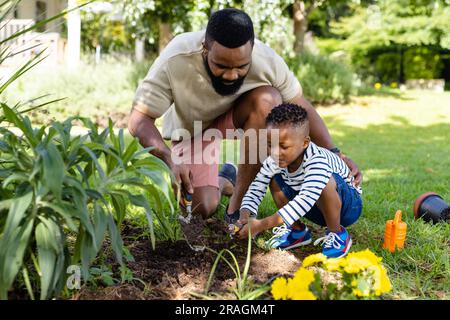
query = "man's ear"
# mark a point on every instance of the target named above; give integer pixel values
(205, 49)
(205, 54)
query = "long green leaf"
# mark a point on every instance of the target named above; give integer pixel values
(17, 213)
(46, 239)
(12, 249)
(53, 168)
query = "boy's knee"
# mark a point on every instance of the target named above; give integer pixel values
(329, 194)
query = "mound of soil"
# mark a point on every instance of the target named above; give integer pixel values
(173, 270)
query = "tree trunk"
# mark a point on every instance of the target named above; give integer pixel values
(300, 18)
(165, 35)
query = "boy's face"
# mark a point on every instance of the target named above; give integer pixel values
(292, 142)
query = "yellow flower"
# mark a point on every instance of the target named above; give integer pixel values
(394, 85)
(305, 276)
(366, 254)
(298, 286)
(361, 260)
(356, 265)
(357, 292)
(377, 86)
(279, 289)
(304, 295)
(334, 264)
(381, 284)
(314, 259)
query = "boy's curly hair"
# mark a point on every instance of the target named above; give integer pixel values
(287, 113)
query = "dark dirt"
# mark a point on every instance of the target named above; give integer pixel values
(173, 270)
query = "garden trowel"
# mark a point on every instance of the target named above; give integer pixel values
(185, 223)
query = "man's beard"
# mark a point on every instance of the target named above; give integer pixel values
(218, 84)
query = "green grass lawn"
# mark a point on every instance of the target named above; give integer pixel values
(402, 145)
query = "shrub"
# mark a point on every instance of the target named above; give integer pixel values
(323, 80)
(387, 67)
(422, 63)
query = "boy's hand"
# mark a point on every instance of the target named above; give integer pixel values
(255, 226)
(243, 216)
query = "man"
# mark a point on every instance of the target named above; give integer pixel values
(227, 79)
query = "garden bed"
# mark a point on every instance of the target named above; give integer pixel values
(174, 271)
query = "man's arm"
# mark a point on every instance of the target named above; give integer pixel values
(143, 127)
(320, 135)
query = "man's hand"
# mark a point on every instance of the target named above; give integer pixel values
(253, 224)
(353, 168)
(183, 178)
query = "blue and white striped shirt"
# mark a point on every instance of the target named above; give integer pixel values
(308, 180)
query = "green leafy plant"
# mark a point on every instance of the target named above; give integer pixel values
(61, 193)
(54, 186)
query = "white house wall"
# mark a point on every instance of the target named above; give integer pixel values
(27, 10)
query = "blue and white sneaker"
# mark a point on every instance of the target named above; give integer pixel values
(286, 238)
(335, 245)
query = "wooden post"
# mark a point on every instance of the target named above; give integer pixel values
(73, 35)
(139, 50)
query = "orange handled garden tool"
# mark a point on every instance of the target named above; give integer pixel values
(395, 233)
(187, 200)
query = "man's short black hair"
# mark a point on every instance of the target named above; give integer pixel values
(230, 27)
(287, 113)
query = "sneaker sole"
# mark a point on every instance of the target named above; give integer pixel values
(303, 243)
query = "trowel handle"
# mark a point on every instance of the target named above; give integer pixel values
(188, 202)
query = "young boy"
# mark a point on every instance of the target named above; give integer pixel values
(306, 181)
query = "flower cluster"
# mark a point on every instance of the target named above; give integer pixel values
(360, 275)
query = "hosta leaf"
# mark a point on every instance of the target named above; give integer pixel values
(20, 123)
(120, 206)
(12, 249)
(100, 223)
(95, 160)
(53, 168)
(112, 135)
(116, 240)
(49, 246)
(130, 151)
(17, 213)
(63, 211)
(17, 177)
(141, 201)
(121, 141)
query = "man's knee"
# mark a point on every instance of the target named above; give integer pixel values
(264, 99)
(205, 203)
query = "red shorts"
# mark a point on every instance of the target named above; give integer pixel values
(205, 168)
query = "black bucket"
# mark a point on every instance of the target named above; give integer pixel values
(431, 207)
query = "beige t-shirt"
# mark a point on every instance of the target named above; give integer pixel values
(178, 86)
